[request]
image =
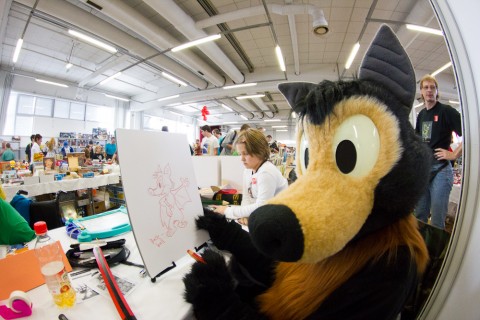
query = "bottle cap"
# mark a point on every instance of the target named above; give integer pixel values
(40, 227)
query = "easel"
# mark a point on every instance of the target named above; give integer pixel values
(154, 279)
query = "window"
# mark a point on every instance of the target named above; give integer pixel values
(77, 111)
(26, 104)
(43, 107)
(98, 113)
(62, 109)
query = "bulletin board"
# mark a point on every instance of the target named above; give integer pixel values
(162, 195)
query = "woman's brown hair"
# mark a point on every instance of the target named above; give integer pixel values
(255, 143)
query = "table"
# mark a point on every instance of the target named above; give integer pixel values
(160, 300)
(62, 185)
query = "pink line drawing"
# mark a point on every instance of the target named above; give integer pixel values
(172, 199)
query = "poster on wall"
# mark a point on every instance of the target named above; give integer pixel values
(162, 195)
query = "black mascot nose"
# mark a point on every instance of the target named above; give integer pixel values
(276, 232)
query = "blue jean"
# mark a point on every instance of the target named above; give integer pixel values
(435, 199)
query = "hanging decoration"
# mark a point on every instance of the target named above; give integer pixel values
(205, 112)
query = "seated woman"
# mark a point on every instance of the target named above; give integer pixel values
(261, 179)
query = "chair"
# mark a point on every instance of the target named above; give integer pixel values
(34, 211)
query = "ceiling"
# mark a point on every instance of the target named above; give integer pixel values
(144, 32)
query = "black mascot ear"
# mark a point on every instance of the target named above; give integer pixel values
(295, 92)
(386, 62)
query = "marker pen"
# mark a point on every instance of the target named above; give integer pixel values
(195, 256)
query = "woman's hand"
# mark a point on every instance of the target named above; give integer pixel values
(219, 209)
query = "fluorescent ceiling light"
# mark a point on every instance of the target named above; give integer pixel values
(441, 69)
(272, 120)
(281, 130)
(352, 55)
(176, 113)
(52, 83)
(93, 41)
(281, 61)
(454, 101)
(250, 96)
(243, 117)
(230, 122)
(68, 66)
(172, 78)
(425, 29)
(16, 53)
(226, 107)
(279, 126)
(115, 97)
(116, 75)
(196, 42)
(235, 86)
(169, 97)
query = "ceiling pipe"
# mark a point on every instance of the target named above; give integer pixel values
(264, 107)
(248, 105)
(232, 105)
(319, 25)
(185, 24)
(109, 65)
(293, 35)
(125, 15)
(73, 15)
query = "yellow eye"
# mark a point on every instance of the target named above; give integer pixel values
(356, 145)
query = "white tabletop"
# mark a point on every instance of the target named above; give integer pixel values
(62, 185)
(160, 300)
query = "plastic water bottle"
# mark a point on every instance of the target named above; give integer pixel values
(49, 256)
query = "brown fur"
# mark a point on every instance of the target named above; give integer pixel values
(300, 288)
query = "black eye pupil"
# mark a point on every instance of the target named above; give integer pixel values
(346, 156)
(305, 158)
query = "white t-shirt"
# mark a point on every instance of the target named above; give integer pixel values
(211, 144)
(257, 188)
(35, 149)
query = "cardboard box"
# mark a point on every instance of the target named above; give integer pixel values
(98, 207)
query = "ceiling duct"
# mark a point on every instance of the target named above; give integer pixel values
(173, 13)
(133, 20)
(73, 15)
(319, 24)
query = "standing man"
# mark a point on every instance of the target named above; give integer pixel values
(218, 135)
(110, 149)
(209, 142)
(36, 152)
(28, 149)
(229, 140)
(8, 154)
(272, 144)
(435, 124)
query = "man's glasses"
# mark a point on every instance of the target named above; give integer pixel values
(429, 87)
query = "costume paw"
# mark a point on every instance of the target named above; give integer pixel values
(210, 219)
(221, 231)
(209, 286)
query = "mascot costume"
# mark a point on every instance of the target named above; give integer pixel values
(341, 242)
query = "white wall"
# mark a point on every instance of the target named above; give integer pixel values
(458, 296)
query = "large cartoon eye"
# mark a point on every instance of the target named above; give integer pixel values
(356, 145)
(304, 153)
